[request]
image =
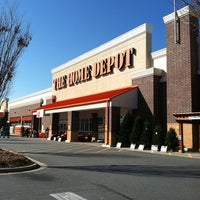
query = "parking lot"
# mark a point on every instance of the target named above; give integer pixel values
(90, 171)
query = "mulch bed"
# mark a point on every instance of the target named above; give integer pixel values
(10, 160)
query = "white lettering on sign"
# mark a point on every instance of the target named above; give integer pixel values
(96, 70)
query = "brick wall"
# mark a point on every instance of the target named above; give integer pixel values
(150, 98)
(182, 65)
(23, 111)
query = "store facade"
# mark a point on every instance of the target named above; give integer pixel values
(93, 92)
(20, 111)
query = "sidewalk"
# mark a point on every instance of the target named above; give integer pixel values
(155, 150)
(194, 155)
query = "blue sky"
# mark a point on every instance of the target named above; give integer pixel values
(64, 29)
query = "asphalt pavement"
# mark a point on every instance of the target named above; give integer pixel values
(88, 171)
(191, 155)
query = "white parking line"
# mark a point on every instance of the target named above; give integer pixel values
(67, 196)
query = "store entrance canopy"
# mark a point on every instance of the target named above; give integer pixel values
(119, 97)
(191, 117)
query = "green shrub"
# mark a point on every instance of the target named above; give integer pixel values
(136, 130)
(146, 135)
(125, 130)
(158, 137)
(171, 140)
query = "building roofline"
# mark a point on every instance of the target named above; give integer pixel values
(32, 95)
(122, 38)
(180, 13)
(159, 53)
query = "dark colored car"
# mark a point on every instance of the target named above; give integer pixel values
(85, 137)
(63, 136)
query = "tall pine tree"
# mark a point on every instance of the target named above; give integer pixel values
(125, 130)
(146, 135)
(137, 130)
(158, 136)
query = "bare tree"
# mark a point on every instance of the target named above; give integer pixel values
(14, 37)
(194, 4)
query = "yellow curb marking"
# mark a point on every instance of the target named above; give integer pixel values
(189, 155)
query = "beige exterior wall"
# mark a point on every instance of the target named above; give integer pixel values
(118, 79)
(187, 135)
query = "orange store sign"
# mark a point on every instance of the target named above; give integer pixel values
(97, 70)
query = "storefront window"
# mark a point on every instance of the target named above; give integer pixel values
(14, 124)
(62, 126)
(26, 123)
(85, 125)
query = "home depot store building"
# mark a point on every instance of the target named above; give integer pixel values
(93, 92)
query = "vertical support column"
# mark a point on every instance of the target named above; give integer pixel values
(72, 126)
(195, 136)
(95, 125)
(181, 67)
(69, 126)
(181, 137)
(50, 122)
(114, 124)
(55, 123)
(39, 125)
(47, 123)
(107, 113)
(199, 138)
(198, 42)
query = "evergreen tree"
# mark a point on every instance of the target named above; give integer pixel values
(125, 129)
(158, 137)
(136, 130)
(171, 140)
(146, 135)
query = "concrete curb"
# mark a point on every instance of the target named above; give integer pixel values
(35, 166)
(193, 155)
(20, 169)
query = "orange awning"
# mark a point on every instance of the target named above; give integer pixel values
(27, 118)
(15, 119)
(89, 99)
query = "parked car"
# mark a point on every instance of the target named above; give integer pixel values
(26, 131)
(61, 135)
(85, 137)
